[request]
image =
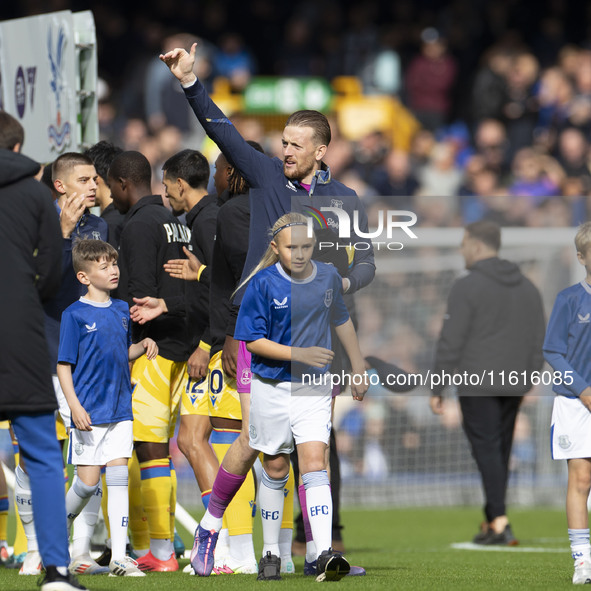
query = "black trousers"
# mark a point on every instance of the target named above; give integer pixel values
(335, 493)
(489, 422)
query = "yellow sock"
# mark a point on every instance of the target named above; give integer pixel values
(288, 492)
(138, 522)
(156, 491)
(173, 487)
(104, 501)
(20, 540)
(238, 517)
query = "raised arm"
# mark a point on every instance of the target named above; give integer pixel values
(180, 62)
(252, 164)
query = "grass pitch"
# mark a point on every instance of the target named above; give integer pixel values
(402, 549)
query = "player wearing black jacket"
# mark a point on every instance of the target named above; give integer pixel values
(151, 235)
(185, 177)
(229, 255)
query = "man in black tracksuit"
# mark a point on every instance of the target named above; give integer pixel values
(494, 328)
(150, 237)
(185, 176)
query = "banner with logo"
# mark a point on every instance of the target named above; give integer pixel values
(39, 82)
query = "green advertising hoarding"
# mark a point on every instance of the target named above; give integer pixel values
(285, 95)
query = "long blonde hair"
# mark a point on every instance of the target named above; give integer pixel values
(270, 257)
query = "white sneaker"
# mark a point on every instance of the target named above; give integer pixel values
(582, 575)
(287, 566)
(127, 567)
(32, 564)
(85, 565)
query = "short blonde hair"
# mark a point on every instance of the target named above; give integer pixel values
(583, 237)
(88, 250)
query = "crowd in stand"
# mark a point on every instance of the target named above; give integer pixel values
(503, 95)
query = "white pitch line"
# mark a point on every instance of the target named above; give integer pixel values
(482, 548)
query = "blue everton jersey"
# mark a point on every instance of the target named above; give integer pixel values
(567, 346)
(95, 339)
(292, 312)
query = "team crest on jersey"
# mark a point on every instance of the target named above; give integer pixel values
(96, 235)
(328, 298)
(564, 442)
(79, 449)
(336, 203)
(246, 376)
(124, 323)
(584, 319)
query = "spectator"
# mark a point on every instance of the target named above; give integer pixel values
(489, 90)
(580, 113)
(296, 56)
(573, 155)
(440, 176)
(554, 95)
(521, 107)
(369, 153)
(429, 81)
(233, 61)
(490, 141)
(395, 180)
(535, 175)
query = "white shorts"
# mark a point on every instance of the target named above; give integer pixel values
(570, 434)
(284, 412)
(104, 443)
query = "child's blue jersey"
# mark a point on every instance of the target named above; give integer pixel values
(567, 346)
(296, 313)
(95, 339)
